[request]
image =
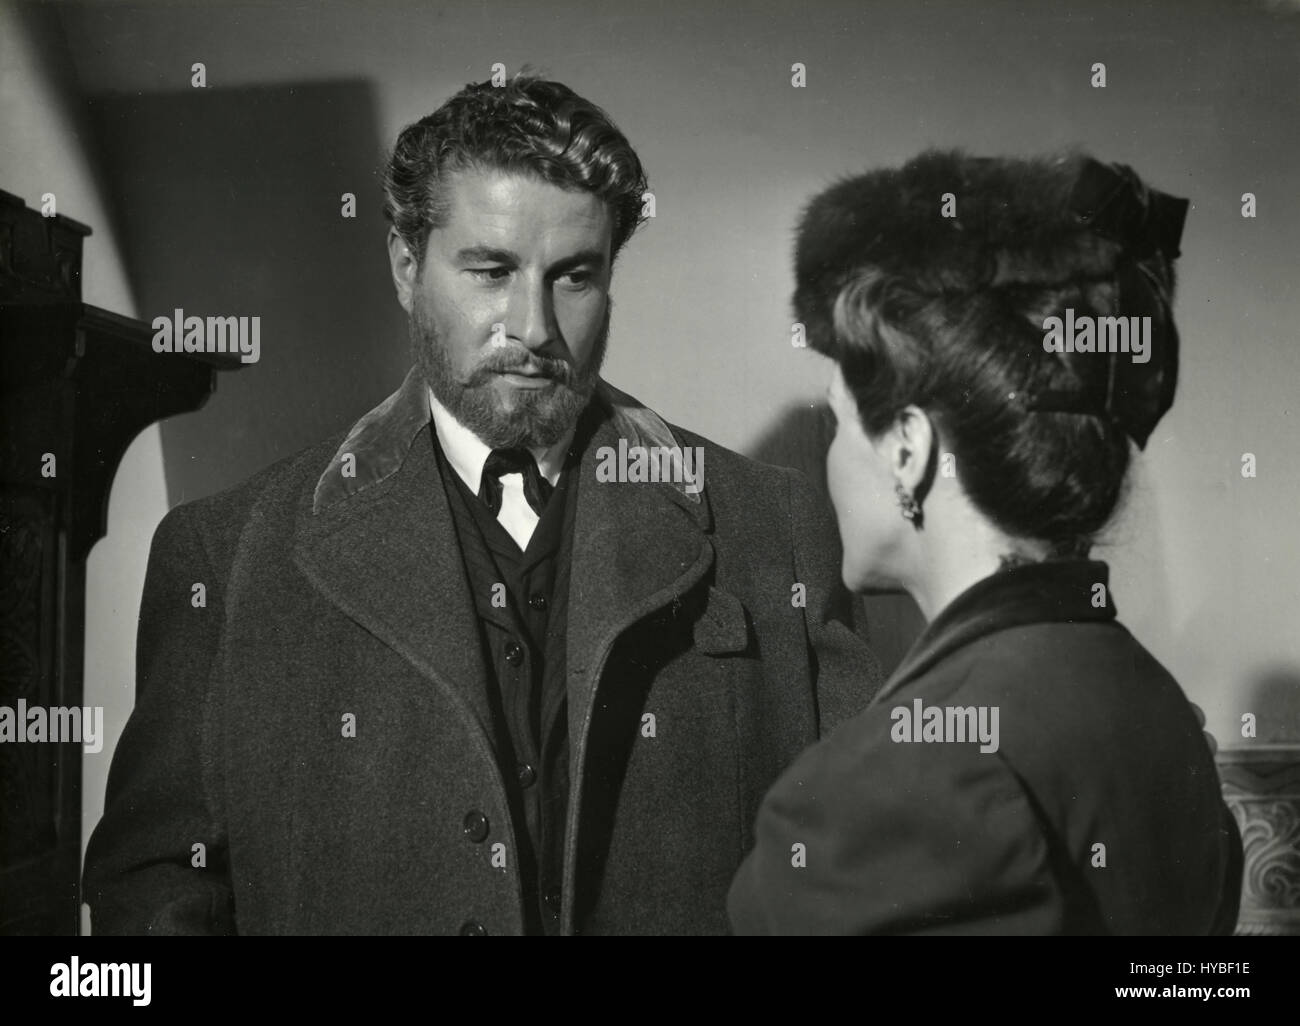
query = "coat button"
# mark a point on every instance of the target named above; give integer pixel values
(527, 776)
(472, 929)
(552, 900)
(476, 826)
(538, 602)
(514, 653)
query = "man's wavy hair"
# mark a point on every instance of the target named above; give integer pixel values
(531, 126)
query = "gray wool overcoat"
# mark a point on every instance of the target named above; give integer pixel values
(307, 746)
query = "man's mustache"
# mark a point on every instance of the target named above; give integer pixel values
(522, 362)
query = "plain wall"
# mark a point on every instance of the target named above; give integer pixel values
(1201, 99)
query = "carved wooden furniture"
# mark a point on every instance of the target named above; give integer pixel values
(77, 384)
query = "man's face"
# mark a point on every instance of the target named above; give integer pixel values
(509, 311)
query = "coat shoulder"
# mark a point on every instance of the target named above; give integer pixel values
(736, 481)
(1075, 681)
(734, 465)
(1066, 693)
(273, 497)
(1104, 740)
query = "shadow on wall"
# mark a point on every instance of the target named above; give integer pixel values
(230, 204)
(799, 438)
(1273, 695)
(1268, 688)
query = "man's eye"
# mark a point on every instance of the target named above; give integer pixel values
(489, 273)
(576, 279)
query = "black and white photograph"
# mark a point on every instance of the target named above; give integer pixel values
(684, 469)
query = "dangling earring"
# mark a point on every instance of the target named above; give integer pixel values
(910, 507)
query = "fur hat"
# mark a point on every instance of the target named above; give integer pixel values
(947, 223)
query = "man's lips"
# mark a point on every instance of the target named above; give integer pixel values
(526, 378)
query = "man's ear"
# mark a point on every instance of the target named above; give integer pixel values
(910, 441)
(405, 268)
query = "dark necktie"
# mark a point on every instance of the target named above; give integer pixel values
(537, 490)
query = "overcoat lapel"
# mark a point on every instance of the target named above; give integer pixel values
(382, 548)
(636, 548)
(380, 545)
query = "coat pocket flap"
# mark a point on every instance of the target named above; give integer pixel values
(723, 626)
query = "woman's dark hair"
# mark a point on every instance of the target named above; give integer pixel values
(931, 286)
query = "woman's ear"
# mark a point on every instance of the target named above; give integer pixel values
(909, 443)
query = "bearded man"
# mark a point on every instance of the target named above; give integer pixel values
(449, 679)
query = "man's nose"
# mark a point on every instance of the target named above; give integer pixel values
(531, 317)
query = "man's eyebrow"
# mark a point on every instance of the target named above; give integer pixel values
(486, 255)
(491, 255)
(588, 257)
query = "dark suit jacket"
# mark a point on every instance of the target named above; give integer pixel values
(1097, 746)
(331, 595)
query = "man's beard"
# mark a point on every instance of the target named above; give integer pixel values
(534, 418)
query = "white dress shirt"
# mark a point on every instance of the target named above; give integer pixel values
(467, 453)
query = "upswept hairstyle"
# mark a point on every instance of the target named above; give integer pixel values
(530, 125)
(947, 313)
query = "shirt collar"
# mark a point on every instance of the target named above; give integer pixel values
(377, 445)
(467, 453)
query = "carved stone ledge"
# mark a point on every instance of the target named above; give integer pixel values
(1261, 784)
